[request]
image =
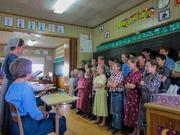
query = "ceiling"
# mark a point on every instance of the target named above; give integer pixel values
(43, 41)
(88, 13)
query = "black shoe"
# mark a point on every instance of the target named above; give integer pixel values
(114, 131)
(111, 128)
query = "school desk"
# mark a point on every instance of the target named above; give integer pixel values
(56, 100)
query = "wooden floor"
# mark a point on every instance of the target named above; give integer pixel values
(79, 126)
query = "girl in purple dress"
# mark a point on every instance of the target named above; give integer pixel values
(132, 94)
(86, 102)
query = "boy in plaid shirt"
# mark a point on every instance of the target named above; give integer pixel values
(116, 106)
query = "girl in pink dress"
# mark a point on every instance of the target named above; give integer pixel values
(81, 88)
(132, 94)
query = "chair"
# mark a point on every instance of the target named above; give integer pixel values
(16, 117)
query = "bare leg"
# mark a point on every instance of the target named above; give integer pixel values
(103, 121)
(97, 120)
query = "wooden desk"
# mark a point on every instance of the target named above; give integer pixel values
(161, 115)
(55, 100)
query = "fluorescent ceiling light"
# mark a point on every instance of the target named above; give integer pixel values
(62, 5)
(31, 42)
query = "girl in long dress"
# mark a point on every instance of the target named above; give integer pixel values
(132, 94)
(100, 102)
(81, 88)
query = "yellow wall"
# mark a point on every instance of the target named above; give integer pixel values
(115, 33)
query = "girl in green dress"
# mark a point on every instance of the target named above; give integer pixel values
(100, 102)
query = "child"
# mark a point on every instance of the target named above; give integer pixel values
(72, 86)
(164, 72)
(132, 94)
(116, 104)
(86, 103)
(100, 102)
(81, 89)
(76, 78)
(149, 88)
(21, 94)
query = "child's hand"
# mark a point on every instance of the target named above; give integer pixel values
(46, 114)
(58, 115)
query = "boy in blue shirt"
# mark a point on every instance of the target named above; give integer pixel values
(21, 94)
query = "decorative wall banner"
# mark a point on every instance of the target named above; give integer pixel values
(173, 27)
(177, 2)
(145, 13)
(8, 21)
(164, 15)
(162, 3)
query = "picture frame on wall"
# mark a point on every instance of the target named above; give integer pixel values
(31, 25)
(20, 23)
(60, 29)
(107, 34)
(101, 29)
(41, 27)
(164, 15)
(8, 21)
(51, 28)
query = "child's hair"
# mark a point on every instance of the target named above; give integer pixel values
(126, 54)
(117, 62)
(81, 71)
(161, 56)
(134, 60)
(147, 50)
(164, 48)
(154, 63)
(93, 69)
(20, 68)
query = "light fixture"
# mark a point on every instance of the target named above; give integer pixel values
(62, 5)
(31, 42)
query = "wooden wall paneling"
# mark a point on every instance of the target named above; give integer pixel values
(66, 65)
(73, 53)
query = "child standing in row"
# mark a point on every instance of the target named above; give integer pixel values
(100, 102)
(86, 102)
(116, 107)
(81, 89)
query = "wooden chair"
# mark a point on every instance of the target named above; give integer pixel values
(17, 118)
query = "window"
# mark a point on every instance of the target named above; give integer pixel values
(36, 67)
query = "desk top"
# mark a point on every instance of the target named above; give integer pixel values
(165, 108)
(57, 98)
